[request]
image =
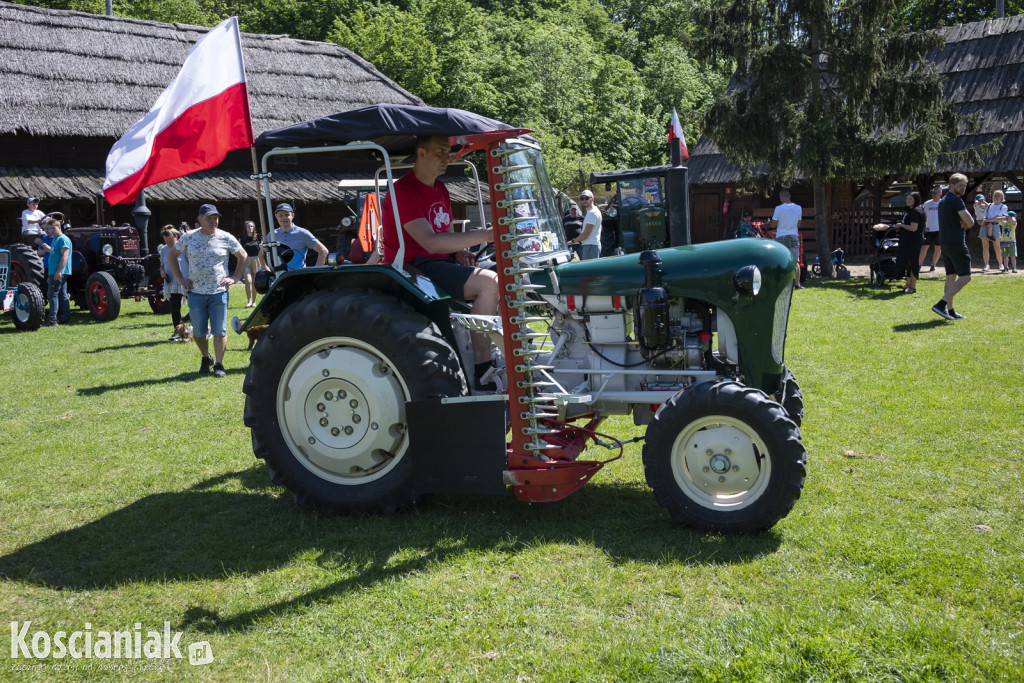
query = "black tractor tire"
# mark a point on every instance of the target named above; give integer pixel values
(26, 266)
(325, 398)
(724, 457)
(791, 398)
(29, 307)
(157, 302)
(102, 296)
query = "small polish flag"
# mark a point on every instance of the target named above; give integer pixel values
(201, 116)
(675, 132)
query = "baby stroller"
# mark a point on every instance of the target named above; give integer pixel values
(887, 245)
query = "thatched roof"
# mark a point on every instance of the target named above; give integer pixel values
(984, 67)
(54, 184)
(108, 72)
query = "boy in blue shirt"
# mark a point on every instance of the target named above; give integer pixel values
(58, 269)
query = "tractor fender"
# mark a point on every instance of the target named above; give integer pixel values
(416, 290)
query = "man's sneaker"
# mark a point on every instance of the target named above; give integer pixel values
(932, 269)
(943, 312)
(219, 371)
(174, 338)
(1002, 269)
(1015, 269)
(207, 364)
(956, 316)
(50, 323)
(985, 268)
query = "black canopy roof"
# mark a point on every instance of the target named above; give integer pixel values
(392, 126)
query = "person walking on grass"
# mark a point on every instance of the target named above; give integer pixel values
(931, 229)
(954, 222)
(786, 221)
(1008, 233)
(207, 251)
(994, 213)
(908, 257)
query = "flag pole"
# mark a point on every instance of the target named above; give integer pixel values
(256, 175)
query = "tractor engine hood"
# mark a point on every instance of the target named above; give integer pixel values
(703, 271)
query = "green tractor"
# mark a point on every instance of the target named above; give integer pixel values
(357, 394)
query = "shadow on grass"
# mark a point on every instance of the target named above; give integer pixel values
(914, 327)
(205, 533)
(120, 347)
(859, 287)
(180, 377)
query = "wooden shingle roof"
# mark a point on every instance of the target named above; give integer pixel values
(70, 73)
(984, 67)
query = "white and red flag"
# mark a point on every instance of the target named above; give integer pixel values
(201, 116)
(675, 132)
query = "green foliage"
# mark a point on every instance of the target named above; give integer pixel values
(824, 88)
(921, 15)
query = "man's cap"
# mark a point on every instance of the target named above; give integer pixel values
(587, 193)
(1011, 214)
(284, 207)
(208, 210)
(32, 200)
(979, 197)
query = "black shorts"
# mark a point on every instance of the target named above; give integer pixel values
(931, 238)
(957, 259)
(446, 274)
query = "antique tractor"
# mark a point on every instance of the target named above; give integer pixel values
(357, 398)
(106, 267)
(23, 300)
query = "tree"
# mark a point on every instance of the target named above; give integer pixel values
(823, 87)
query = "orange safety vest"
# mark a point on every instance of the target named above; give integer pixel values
(369, 225)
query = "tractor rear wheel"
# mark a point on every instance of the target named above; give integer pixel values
(29, 307)
(26, 266)
(326, 392)
(102, 296)
(724, 457)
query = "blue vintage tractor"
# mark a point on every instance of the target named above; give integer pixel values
(24, 301)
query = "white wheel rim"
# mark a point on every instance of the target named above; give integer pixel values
(721, 463)
(21, 308)
(341, 407)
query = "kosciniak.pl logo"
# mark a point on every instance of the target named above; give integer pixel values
(89, 644)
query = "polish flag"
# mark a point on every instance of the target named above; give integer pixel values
(201, 116)
(675, 132)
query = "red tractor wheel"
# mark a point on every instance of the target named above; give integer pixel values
(102, 296)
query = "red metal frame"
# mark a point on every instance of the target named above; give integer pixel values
(557, 473)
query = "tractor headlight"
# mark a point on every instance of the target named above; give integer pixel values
(108, 249)
(747, 280)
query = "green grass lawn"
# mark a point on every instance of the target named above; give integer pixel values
(129, 494)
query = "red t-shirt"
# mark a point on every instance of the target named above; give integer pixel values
(415, 200)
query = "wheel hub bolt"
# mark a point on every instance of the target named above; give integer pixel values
(356, 419)
(323, 421)
(312, 441)
(373, 425)
(329, 396)
(735, 468)
(335, 431)
(327, 373)
(706, 468)
(353, 403)
(721, 480)
(348, 431)
(709, 452)
(342, 393)
(321, 407)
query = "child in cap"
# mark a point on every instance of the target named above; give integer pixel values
(747, 228)
(1008, 235)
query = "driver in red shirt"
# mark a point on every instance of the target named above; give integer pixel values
(431, 247)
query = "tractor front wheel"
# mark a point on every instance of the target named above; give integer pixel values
(326, 392)
(29, 307)
(724, 457)
(791, 398)
(102, 296)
